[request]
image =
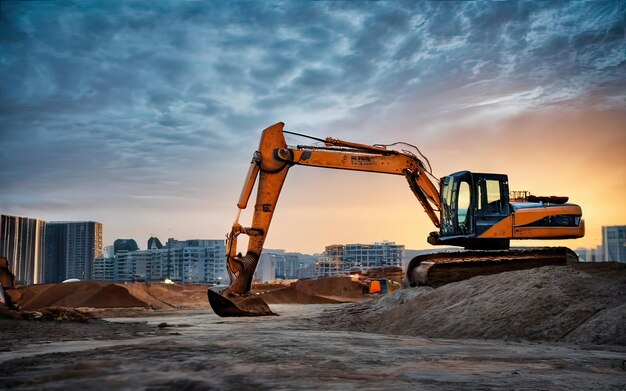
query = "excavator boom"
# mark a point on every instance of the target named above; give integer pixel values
(270, 164)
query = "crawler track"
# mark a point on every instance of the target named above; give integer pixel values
(445, 267)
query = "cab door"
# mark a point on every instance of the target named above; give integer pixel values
(492, 200)
(458, 205)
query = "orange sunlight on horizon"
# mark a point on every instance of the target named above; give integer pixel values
(562, 152)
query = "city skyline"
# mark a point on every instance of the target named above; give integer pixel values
(52, 252)
(145, 116)
(135, 243)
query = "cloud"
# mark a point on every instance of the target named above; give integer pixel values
(124, 95)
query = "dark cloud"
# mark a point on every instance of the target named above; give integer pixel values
(444, 20)
(315, 78)
(410, 47)
(272, 68)
(135, 92)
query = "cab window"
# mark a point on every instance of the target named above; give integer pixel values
(463, 206)
(447, 193)
(489, 196)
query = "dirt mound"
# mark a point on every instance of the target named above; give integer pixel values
(78, 294)
(316, 291)
(290, 295)
(583, 303)
(161, 296)
(109, 295)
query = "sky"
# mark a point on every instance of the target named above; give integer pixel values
(144, 115)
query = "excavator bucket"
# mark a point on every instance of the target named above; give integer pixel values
(231, 306)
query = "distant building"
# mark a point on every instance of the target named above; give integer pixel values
(374, 255)
(154, 243)
(22, 241)
(266, 268)
(125, 266)
(278, 264)
(613, 248)
(614, 243)
(189, 261)
(103, 269)
(585, 254)
(108, 252)
(590, 254)
(55, 253)
(331, 263)
(597, 254)
(71, 248)
(125, 245)
(340, 259)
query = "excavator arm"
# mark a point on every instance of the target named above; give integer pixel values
(271, 163)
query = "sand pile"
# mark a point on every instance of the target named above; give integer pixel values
(316, 291)
(161, 296)
(109, 295)
(583, 303)
(78, 294)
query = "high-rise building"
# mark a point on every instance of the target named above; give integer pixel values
(22, 242)
(71, 248)
(614, 243)
(55, 254)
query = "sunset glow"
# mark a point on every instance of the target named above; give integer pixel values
(144, 116)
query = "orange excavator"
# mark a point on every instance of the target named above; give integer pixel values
(472, 210)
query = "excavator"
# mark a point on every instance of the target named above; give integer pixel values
(474, 211)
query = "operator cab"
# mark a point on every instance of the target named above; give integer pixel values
(470, 204)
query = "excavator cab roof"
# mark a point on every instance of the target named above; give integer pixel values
(478, 175)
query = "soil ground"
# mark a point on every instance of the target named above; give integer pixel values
(203, 352)
(555, 328)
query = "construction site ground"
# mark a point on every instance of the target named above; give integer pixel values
(546, 328)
